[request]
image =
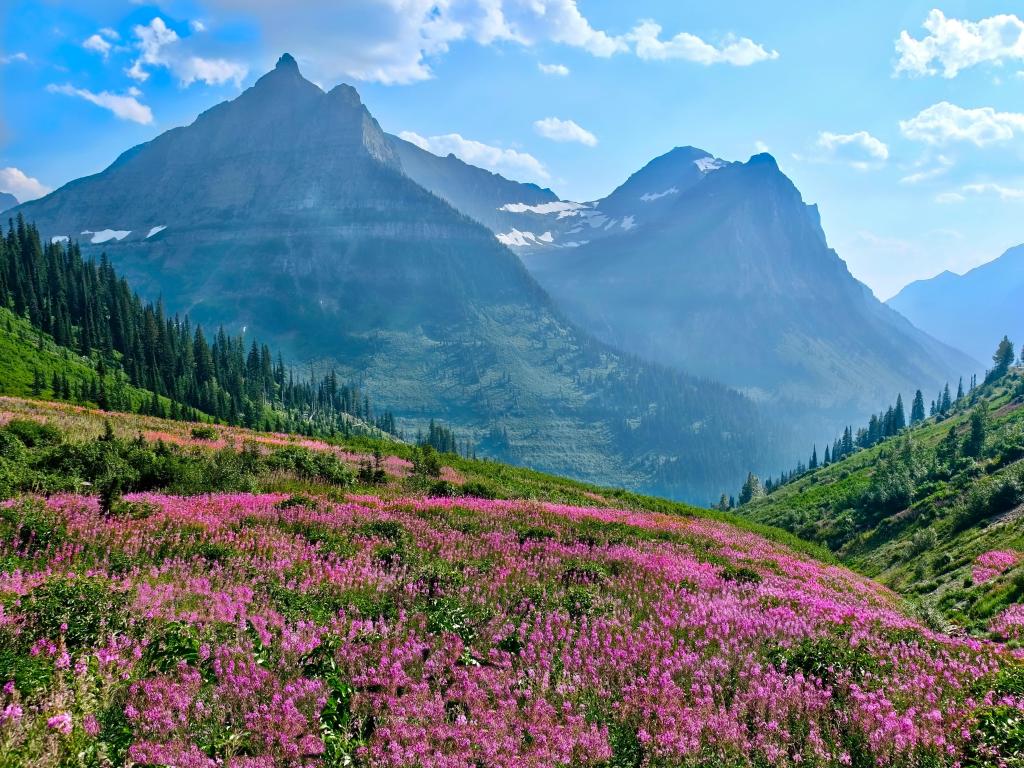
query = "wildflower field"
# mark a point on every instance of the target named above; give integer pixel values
(378, 626)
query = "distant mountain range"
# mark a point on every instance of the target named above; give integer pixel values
(289, 214)
(720, 269)
(7, 200)
(972, 311)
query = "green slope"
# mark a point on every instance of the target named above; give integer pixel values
(916, 514)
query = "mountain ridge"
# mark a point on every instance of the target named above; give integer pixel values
(971, 311)
(286, 213)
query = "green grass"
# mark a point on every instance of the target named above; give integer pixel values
(925, 550)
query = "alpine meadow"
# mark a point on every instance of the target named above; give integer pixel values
(511, 384)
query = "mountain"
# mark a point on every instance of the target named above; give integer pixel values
(7, 200)
(936, 513)
(970, 311)
(721, 269)
(286, 214)
(478, 193)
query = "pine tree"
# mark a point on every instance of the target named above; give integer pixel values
(947, 402)
(974, 445)
(960, 390)
(828, 457)
(813, 463)
(751, 489)
(899, 421)
(1002, 360)
(917, 408)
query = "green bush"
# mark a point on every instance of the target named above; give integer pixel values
(81, 609)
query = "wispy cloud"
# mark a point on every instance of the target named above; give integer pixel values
(553, 69)
(10, 59)
(860, 149)
(500, 160)
(124, 106)
(565, 131)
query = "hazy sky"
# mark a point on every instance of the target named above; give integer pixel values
(904, 121)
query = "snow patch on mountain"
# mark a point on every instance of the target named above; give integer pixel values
(156, 230)
(648, 197)
(522, 239)
(708, 164)
(558, 206)
(59, 239)
(106, 235)
(628, 222)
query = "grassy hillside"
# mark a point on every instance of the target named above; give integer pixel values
(327, 603)
(935, 513)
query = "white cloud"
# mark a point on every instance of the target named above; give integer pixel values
(21, 185)
(197, 26)
(860, 149)
(125, 106)
(944, 122)
(564, 130)
(19, 56)
(553, 69)
(940, 168)
(396, 41)
(953, 45)
(760, 147)
(738, 51)
(98, 45)
(1001, 191)
(110, 34)
(947, 198)
(509, 162)
(160, 46)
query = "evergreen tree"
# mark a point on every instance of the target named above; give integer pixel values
(917, 408)
(813, 463)
(899, 421)
(1002, 360)
(828, 457)
(974, 445)
(751, 489)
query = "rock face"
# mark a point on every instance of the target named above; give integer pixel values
(7, 200)
(972, 311)
(726, 273)
(286, 212)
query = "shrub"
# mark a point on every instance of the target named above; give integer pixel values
(81, 609)
(204, 432)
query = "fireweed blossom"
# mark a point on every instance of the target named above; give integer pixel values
(237, 630)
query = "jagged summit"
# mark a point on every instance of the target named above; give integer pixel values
(287, 61)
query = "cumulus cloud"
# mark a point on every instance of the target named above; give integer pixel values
(860, 149)
(508, 162)
(395, 41)
(20, 184)
(554, 69)
(738, 51)
(124, 106)
(944, 122)
(564, 130)
(97, 44)
(953, 45)
(160, 46)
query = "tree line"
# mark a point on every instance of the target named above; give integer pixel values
(87, 307)
(882, 426)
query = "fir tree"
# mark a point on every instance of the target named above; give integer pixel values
(917, 408)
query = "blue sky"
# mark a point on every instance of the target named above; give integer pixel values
(904, 121)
